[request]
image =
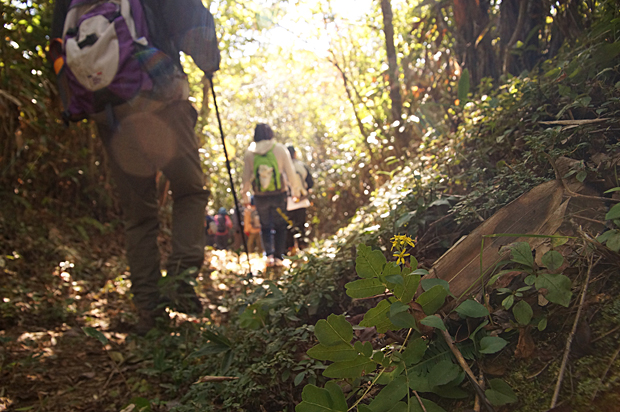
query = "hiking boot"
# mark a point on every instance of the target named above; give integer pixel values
(184, 299)
(150, 319)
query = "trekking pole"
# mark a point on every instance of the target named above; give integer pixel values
(232, 183)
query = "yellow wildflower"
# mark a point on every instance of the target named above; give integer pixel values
(401, 241)
(401, 257)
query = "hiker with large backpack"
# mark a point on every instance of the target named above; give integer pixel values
(297, 210)
(118, 64)
(223, 225)
(269, 171)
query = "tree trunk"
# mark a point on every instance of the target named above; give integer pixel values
(394, 83)
(476, 54)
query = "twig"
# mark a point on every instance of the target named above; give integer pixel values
(477, 403)
(569, 341)
(611, 362)
(461, 360)
(420, 401)
(605, 334)
(396, 337)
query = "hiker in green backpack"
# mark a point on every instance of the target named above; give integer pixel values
(269, 171)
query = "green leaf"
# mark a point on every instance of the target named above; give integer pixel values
(433, 299)
(315, 399)
(552, 260)
(492, 344)
(581, 176)
(500, 393)
(613, 243)
(434, 322)
(395, 279)
(430, 406)
(377, 316)
(558, 288)
(94, 333)
(463, 89)
(369, 263)
(406, 292)
(523, 313)
(339, 352)
(299, 378)
(442, 373)
(399, 407)
(364, 348)
(393, 392)
(403, 320)
(430, 283)
(521, 253)
(364, 288)
(614, 212)
(334, 330)
(542, 325)
(471, 308)
(414, 352)
(615, 189)
(507, 303)
(482, 325)
(350, 369)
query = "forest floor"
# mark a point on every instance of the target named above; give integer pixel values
(59, 368)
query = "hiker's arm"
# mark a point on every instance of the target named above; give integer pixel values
(284, 156)
(192, 28)
(248, 161)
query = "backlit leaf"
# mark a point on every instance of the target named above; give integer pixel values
(369, 263)
(334, 330)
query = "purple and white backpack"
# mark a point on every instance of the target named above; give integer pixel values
(105, 47)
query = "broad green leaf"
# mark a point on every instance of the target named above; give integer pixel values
(451, 392)
(558, 288)
(398, 307)
(403, 320)
(434, 322)
(430, 406)
(433, 299)
(552, 260)
(418, 381)
(521, 253)
(507, 303)
(339, 352)
(388, 377)
(463, 88)
(334, 330)
(364, 288)
(399, 407)
(613, 243)
(492, 344)
(393, 392)
(363, 408)
(482, 325)
(471, 308)
(430, 283)
(369, 263)
(315, 399)
(350, 369)
(299, 378)
(414, 352)
(500, 393)
(406, 292)
(390, 270)
(364, 348)
(395, 279)
(614, 212)
(377, 316)
(442, 373)
(523, 313)
(94, 333)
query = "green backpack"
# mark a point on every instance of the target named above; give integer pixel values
(267, 176)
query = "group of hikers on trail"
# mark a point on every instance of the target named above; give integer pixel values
(274, 212)
(118, 64)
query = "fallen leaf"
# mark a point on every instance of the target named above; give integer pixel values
(525, 346)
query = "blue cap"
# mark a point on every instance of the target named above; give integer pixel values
(222, 211)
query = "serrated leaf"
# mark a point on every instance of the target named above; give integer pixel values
(521, 253)
(492, 344)
(558, 288)
(340, 352)
(428, 284)
(334, 330)
(434, 322)
(471, 308)
(350, 369)
(414, 352)
(443, 372)
(377, 317)
(94, 333)
(393, 392)
(315, 399)
(500, 393)
(552, 260)
(364, 288)
(406, 292)
(614, 212)
(433, 299)
(523, 313)
(369, 263)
